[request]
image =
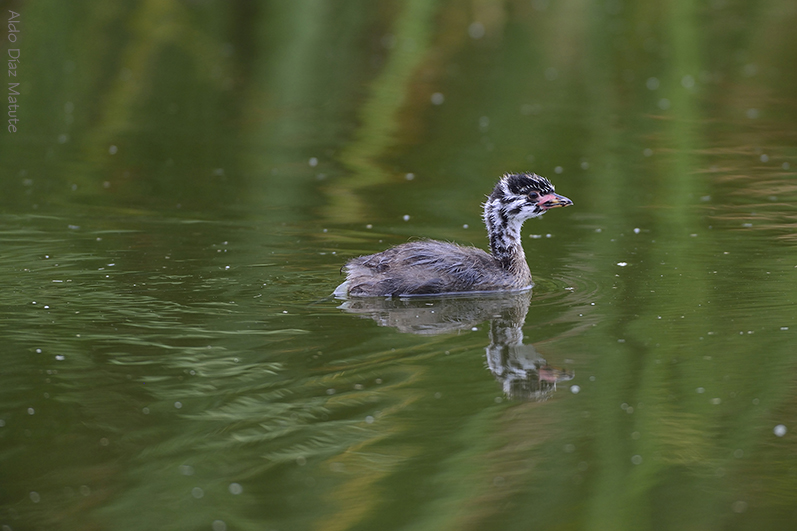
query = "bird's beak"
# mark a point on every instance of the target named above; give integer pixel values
(553, 200)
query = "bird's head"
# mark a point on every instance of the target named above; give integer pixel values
(520, 196)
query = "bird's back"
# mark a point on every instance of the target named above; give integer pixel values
(424, 268)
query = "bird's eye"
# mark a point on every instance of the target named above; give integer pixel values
(534, 195)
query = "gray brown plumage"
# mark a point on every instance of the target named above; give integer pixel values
(430, 267)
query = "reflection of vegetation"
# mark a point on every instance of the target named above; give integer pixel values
(220, 106)
(379, 115)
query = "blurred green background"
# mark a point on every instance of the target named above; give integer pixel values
(188, 177)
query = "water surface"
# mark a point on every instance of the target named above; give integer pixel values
(188, 179)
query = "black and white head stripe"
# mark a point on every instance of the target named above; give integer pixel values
(523, 184)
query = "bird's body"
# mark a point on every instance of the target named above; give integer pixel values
(430, 267)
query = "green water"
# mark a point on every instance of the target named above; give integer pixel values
(187, 179)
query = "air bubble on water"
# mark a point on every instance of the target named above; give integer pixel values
(476, 30)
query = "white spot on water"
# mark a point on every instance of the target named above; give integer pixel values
(739, 506)
(476, 30)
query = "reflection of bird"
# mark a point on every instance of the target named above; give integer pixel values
(434, 267)
(523, 373)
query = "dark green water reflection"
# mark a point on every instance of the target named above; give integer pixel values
(187, 179)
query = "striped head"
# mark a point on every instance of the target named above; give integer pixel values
(518, 197)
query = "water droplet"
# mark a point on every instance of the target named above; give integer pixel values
(476, 30)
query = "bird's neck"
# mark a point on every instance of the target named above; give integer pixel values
(505, 245)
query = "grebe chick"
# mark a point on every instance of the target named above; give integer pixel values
(430, 267)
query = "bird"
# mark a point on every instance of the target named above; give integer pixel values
(432, 267)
